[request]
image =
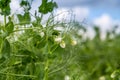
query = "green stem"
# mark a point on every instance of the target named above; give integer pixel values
(1, 46)
(5, 20)
(18, 75)
(46, 70)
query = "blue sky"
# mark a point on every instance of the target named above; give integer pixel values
(96, 7)
(103, 13)
(91, 8)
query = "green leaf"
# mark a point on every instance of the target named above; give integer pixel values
(46, 7)
(2, 59)
(4, 3)
(5, 11)
(20, 17)
(51, 5)
(25, 4)
(39, 71)
(24, 19)
(5, 7)
(9, 26)
(27, 17)
(42, 9)
(6, 49)
(30, 68)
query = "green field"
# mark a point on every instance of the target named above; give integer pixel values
(30, 50)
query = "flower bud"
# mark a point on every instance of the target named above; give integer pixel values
(62, 44)
(67, 77)
(42, 34)
(102, 78)
(115, 74)
(73, 42)
(58, 39)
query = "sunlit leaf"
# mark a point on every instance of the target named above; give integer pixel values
(9, 26)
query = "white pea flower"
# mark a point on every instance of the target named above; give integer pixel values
(67, 77)
(102, 78)
(42, 34)
(62, 44)
(73, 42)
(58, 39)
(114, 74)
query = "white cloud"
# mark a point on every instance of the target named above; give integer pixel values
(15, 7)
(62, 14)
(105, 22)
(35, 5)
(1, 19)
(88, 34)
(79, 13)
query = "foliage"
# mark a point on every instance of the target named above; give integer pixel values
(5, 7)
(30, 50)
(46, 6)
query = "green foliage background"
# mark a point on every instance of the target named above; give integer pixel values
(29, 51)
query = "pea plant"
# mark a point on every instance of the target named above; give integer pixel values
(30, 50)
